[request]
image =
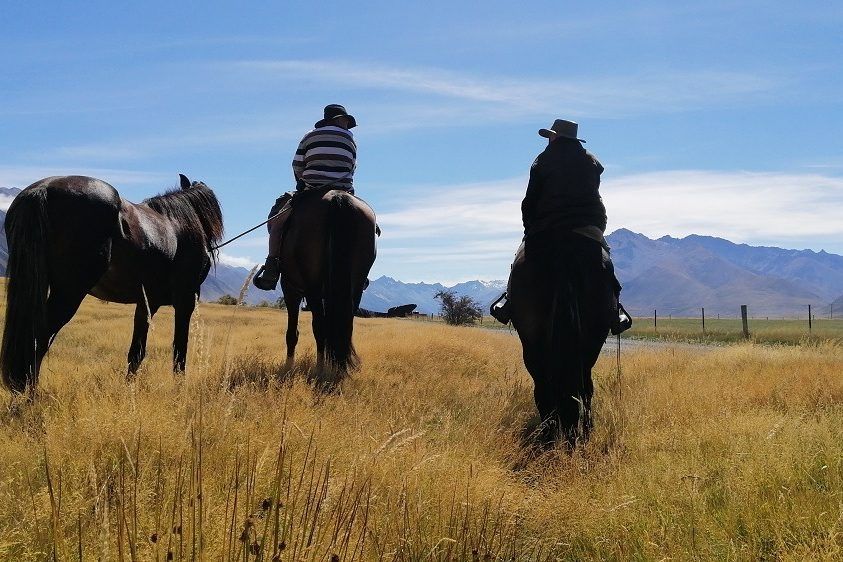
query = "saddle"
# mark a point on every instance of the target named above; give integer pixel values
(292, 197)
(501, 308)
(267, 277)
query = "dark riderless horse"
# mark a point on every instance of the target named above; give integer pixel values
(70, 236)
(326, 254)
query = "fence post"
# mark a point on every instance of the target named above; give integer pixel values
(810, 327)
(655, 319)
(744, 321)
(703, 319)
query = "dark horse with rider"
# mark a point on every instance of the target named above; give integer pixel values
(562, 295)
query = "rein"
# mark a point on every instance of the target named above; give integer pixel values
(620, 388)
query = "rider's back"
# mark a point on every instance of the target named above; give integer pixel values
(563, 192)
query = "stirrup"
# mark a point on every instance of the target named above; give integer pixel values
(623, 321)
(501, 309)
(266, 283)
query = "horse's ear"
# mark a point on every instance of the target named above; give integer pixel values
(184, 182)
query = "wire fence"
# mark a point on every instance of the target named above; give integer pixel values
(743, 323)
(821, 312)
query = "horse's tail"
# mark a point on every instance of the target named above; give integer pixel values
(566, 357)
(26, 289)
(340, 302)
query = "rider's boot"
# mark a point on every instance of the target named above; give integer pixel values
(623, 322)
(501, 309)
(267, 277)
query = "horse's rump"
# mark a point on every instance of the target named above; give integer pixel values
(561, 294)
(326, 254)
(304, 242)
(567, 259)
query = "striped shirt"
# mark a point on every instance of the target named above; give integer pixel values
(326, 155)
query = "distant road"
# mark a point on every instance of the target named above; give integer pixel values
(628, 344)
(634, 344)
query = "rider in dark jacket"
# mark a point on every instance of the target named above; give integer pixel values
(563, 206)
(563, 188)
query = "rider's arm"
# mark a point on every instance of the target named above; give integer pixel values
(528, 205)
(298, 161)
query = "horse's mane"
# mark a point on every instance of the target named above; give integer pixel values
(196, 211)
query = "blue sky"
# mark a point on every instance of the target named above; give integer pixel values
(721, 119)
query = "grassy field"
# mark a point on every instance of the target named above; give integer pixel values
(730, 330)
(731, 453)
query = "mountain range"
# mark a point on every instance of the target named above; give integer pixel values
(680, 275)
(383, 293)
(6, 196)
(676, 276)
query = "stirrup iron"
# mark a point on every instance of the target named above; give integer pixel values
(623, 322)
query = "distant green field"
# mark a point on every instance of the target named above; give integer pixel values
(727, 330)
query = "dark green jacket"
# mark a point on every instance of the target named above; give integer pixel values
(563, 192)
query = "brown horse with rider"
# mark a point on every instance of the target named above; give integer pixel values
(322, 242)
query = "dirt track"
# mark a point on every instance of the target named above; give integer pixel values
(634, 344)
(628, 344)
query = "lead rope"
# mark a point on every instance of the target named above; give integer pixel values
(254, 228)
(242, 234)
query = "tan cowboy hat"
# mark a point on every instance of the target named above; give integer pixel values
(561, 128)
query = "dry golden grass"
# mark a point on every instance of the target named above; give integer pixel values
(735, 453)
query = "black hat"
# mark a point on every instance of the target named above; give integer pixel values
(332, 112)
(561, 128)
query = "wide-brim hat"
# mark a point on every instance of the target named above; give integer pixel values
(333, 111)
(561, 128)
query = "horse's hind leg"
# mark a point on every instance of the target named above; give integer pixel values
(62, 304)
(292, 336)
(66, 295)
(137, 351)
(318, 324)
(184, 305)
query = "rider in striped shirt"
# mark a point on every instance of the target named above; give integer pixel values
(325, 159)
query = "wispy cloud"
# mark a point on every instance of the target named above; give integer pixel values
(478, 209)
(435, 97)
(747, 207)
(143, 146)
(236, 261)
(22, 176)
(6, 201)
(614, 95)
